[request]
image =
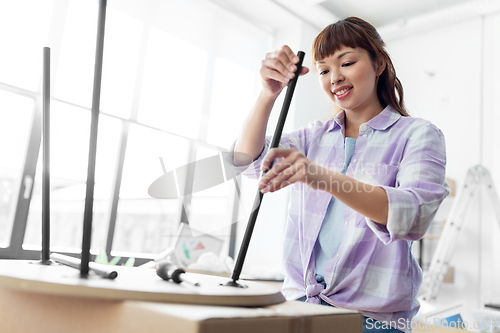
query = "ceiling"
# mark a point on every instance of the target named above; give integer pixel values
(383, 12)
(392, 18)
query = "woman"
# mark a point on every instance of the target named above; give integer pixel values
(365, 184)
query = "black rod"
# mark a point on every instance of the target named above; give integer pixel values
(104, 271)
(94, 123)
(116, 187)
(45, 254)
(258, 198)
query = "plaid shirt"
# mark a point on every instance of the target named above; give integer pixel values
(374, 270)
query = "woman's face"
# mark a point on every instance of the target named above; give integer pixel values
(349, 78)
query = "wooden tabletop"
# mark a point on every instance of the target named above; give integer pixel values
(133, 283)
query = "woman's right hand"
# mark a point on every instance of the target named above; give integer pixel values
(278, 69)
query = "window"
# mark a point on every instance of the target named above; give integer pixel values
(174, 85)
(75, 66)
(228, 101)
(121, 62)
(144, 224)
(69, 159)
(16, 114)
(178, 80)
(20, 68)
(27, 21)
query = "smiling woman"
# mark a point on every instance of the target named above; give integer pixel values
(360, 36)
(364, 185)
(348, 68)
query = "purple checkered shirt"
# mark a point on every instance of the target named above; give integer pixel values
(374, 270)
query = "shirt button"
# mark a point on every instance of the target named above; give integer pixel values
(337, 255)
(354, 160)
(364, 135)
(346, 222)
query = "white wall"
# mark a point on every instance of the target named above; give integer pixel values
(491, 155)
(450, 77)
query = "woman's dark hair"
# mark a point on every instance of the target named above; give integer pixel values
(355, 32)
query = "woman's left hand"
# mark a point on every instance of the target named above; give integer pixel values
(295, 167)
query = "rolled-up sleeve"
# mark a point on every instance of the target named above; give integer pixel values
(420, 187)
(298, 139)
(251, 170)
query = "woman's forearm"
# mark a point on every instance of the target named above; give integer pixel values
(371, 201)
(252, 137)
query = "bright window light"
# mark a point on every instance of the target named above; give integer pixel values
(173, 87)
(121, 58)
(178, 79)
(233, 94)
(144, 224)
(210, 209)
(70, 131)
(75, 70)
(24, 27)
(16, 113)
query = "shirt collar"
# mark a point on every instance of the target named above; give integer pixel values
(380, 122)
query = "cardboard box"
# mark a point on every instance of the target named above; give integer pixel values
(41, 313)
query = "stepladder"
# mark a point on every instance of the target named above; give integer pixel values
(478, 185)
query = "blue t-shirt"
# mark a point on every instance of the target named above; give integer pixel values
(331, 232)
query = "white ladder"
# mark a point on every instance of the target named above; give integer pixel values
(477, 178)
